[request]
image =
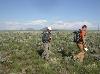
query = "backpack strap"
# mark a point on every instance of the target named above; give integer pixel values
(46, 37)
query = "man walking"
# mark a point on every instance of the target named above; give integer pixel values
(81, 43)
(46, 39)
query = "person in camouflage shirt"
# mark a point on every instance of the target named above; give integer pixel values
(46, 39)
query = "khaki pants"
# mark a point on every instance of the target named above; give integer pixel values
(46, 48)
(81, 54)
(80, 46)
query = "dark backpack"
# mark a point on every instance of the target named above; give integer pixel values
(76, 36)
(45, 37)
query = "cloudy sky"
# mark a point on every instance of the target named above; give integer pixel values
(60, 14)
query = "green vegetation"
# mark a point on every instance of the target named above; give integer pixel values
(18, 54)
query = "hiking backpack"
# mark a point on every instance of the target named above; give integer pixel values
(46, 37)
(76, 36)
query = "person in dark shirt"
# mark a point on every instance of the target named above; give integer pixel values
(46, 39)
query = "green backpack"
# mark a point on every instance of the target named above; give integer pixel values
(46, 37)
(76, 36)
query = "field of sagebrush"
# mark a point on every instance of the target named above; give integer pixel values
(20, 53)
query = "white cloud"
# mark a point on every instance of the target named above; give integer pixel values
(41, 23)
(15, 25)
(72, 25)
